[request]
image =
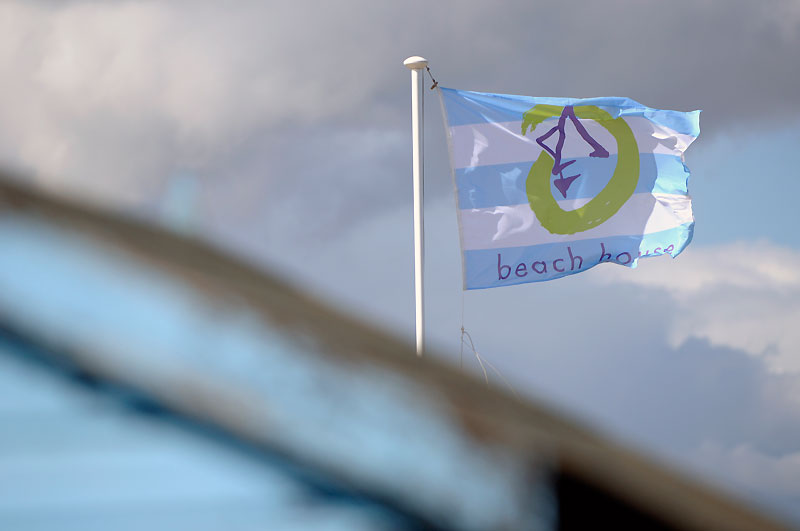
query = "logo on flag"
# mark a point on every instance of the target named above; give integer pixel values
(548, 187)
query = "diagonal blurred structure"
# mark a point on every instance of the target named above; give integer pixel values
(150, 381)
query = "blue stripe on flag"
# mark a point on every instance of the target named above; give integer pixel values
(490, 268)
(504, 184)
(466, 107)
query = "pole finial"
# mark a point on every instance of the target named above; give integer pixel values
(416, 62)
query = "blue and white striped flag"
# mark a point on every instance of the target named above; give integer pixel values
(549, 187)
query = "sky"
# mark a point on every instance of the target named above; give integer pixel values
(281, 133)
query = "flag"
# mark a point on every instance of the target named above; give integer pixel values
(549, 187)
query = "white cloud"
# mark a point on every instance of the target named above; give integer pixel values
(106, 99)
(741, 295)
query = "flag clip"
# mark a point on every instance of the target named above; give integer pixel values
(435, 83)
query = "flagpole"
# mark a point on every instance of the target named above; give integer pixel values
(417, 64)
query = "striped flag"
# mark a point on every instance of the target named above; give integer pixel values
(549, 187)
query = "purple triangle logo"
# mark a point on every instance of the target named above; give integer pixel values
(568, 113)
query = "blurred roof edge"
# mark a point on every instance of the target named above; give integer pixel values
(585, 459)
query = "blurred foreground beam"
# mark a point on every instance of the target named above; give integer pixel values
(219, 340)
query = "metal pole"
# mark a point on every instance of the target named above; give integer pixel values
(417, 65)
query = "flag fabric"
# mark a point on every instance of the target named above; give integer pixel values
(549, 187)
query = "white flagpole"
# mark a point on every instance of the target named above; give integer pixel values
(417, 65)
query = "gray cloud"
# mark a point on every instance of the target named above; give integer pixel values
(741, 295)
(107, 100)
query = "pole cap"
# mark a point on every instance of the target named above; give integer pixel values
(416, 62)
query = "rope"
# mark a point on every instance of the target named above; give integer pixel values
(481, 361)
(461, 365)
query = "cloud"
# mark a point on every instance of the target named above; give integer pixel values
(106, 101)
(741, 295)
(110, 98)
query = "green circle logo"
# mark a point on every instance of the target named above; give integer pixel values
(610, 199)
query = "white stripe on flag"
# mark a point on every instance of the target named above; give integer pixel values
(502, 142)
(516, 226)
